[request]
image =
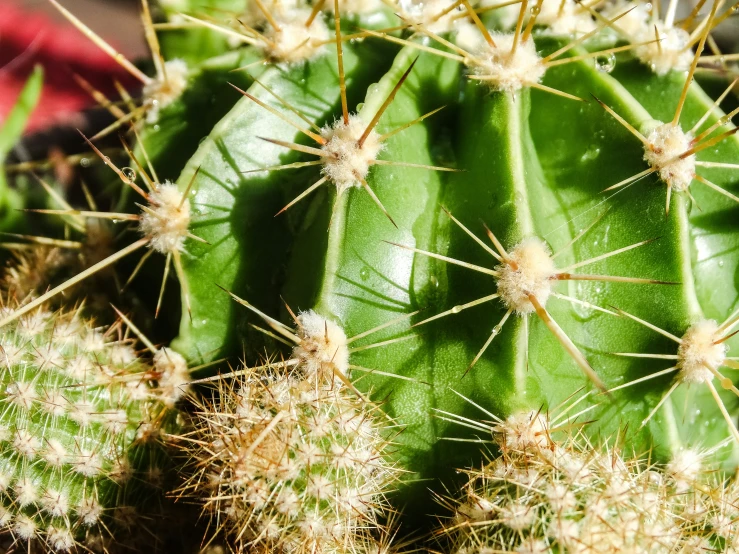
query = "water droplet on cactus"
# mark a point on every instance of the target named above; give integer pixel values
(605, 64)
(129, 173)
(85, 162)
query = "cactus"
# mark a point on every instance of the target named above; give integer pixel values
(550, 490)
(290, 459)
(506, 195)
(82, 459)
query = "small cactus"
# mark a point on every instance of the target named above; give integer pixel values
(80, 427)
(291, 460)
(551, 490)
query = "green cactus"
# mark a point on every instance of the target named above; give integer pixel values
(82, 458)
(519, 190)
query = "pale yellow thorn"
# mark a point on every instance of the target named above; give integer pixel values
(659, 404)
(447, 259)
(182, 278)
(340, 58)
(474, 237)
(642, 379)
(288, 105)
(715, 105)
(248, 371)
(164, 284)
(369, 372)
(223, 30)
(557, 92)
(142, 337)
(303, 194)
(724, 412)
(152, 41)
(693, 65)
(382, 343)
(581, 303)
(383, 138)
(152, 171)
(418, 46)
(377, 201)
(605, 23)
(381, 327)
(281, 328)
(418, 166)
(717, 188)
(297, 147)
(623, 122)
(726, 118)
(565, 341)
(318, 138)
(74, 280)
(138, 267)
(459, 308)
(650, 356)
(77, 222)
(580, 234)
(606, 255)
(495, 332)
(519, 25)
(480, 25)
(104, 46)
(717, 165)
(633, 178)
(87, 213)
(496, 243)
(650, 326)
(45, 241)
(284, 166)
(127, 118)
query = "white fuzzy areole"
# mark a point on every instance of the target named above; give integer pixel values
(569, 18)
(357, 7)
(167, 223)
(501, 70)
(174, 375)
(426, 13)
(666, 143)
(669, 54)
(160, 93)
(322, 344)
(698, 352)
(293, 41)
(636, 19)
(525, 430)
(347, 163)
(529, 270)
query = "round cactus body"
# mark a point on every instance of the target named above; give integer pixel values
(81, 454)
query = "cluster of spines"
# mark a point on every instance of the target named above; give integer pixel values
(80, 425)
(551, 490)
(287, 458)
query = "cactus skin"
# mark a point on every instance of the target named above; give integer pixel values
(526, 174)
(81, 454)
(533, 166)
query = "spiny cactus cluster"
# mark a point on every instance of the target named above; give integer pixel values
(80, 427)
(551, 490)
(502, 203)
(291, 460)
